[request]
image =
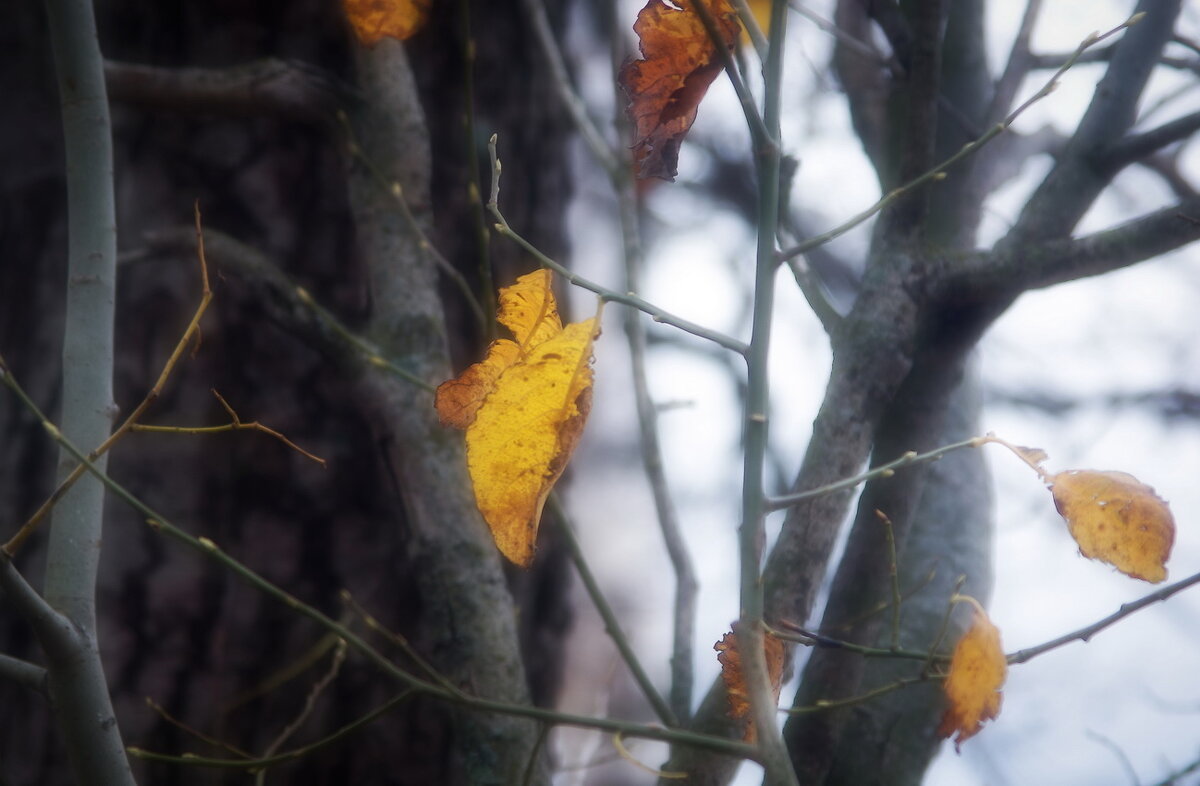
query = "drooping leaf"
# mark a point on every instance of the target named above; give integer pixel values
(977, 672)
(1117, 519)
(666, 86)
(374, 20)
(523, 407)
(735, 683)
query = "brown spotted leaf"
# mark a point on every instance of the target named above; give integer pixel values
(735, 683)
(977, 672)
(666, 86)
(1117, 519)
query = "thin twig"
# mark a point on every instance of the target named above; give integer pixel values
(310, 703)
(161, 711)
(1085, 633)
(235, 424)
(686, 584)
(758, 129)
(882, 471)
(629, 299)
(611, 624)
(833, 704)
(603, 152)
(252, 764)
(893, 576)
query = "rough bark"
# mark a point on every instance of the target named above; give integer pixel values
(270, 169)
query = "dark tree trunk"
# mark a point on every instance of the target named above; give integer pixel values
(179, 631)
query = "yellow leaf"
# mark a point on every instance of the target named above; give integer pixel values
(374, 20)
(1117, 519)
(524, 407)
(977, 672)
(735, 683)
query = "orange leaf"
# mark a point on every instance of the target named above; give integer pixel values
(1117, 519)
(374, 20)
(977, 672)
(523, 407)
(735, 683)
(666, 86)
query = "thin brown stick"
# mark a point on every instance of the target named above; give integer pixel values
(235, 424)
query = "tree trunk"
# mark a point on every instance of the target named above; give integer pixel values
(272, 172)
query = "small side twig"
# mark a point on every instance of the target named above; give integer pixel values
(883, 471)
(235, 424)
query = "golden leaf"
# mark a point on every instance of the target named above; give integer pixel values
(735, 683)
(1117, 519)
(666, 86)
(374, 20)
(977, 672)
(523, 407)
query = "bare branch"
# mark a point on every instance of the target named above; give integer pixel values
(1137, 146)
(1037, 265)
(1080, 174)
(1020, 61)
(293, 90)
(1086, 633)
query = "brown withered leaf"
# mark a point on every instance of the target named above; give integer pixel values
(735, 684)
(1117, 519)
(977, 672)
(665, 87)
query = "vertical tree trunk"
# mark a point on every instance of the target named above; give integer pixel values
(175, 629)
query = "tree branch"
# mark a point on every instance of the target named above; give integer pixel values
(1085, 633)
(1138, 146)
(1010, 271)
(286, 88)
(1082, 172)
(24, 673)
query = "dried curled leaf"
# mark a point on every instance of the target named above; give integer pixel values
(735, 684)
(977, 672)
(1117, 519)
(666, 86)
(374, 20)
(523, 407)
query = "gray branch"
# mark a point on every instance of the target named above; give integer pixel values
(78, 688)
(1082, 172)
